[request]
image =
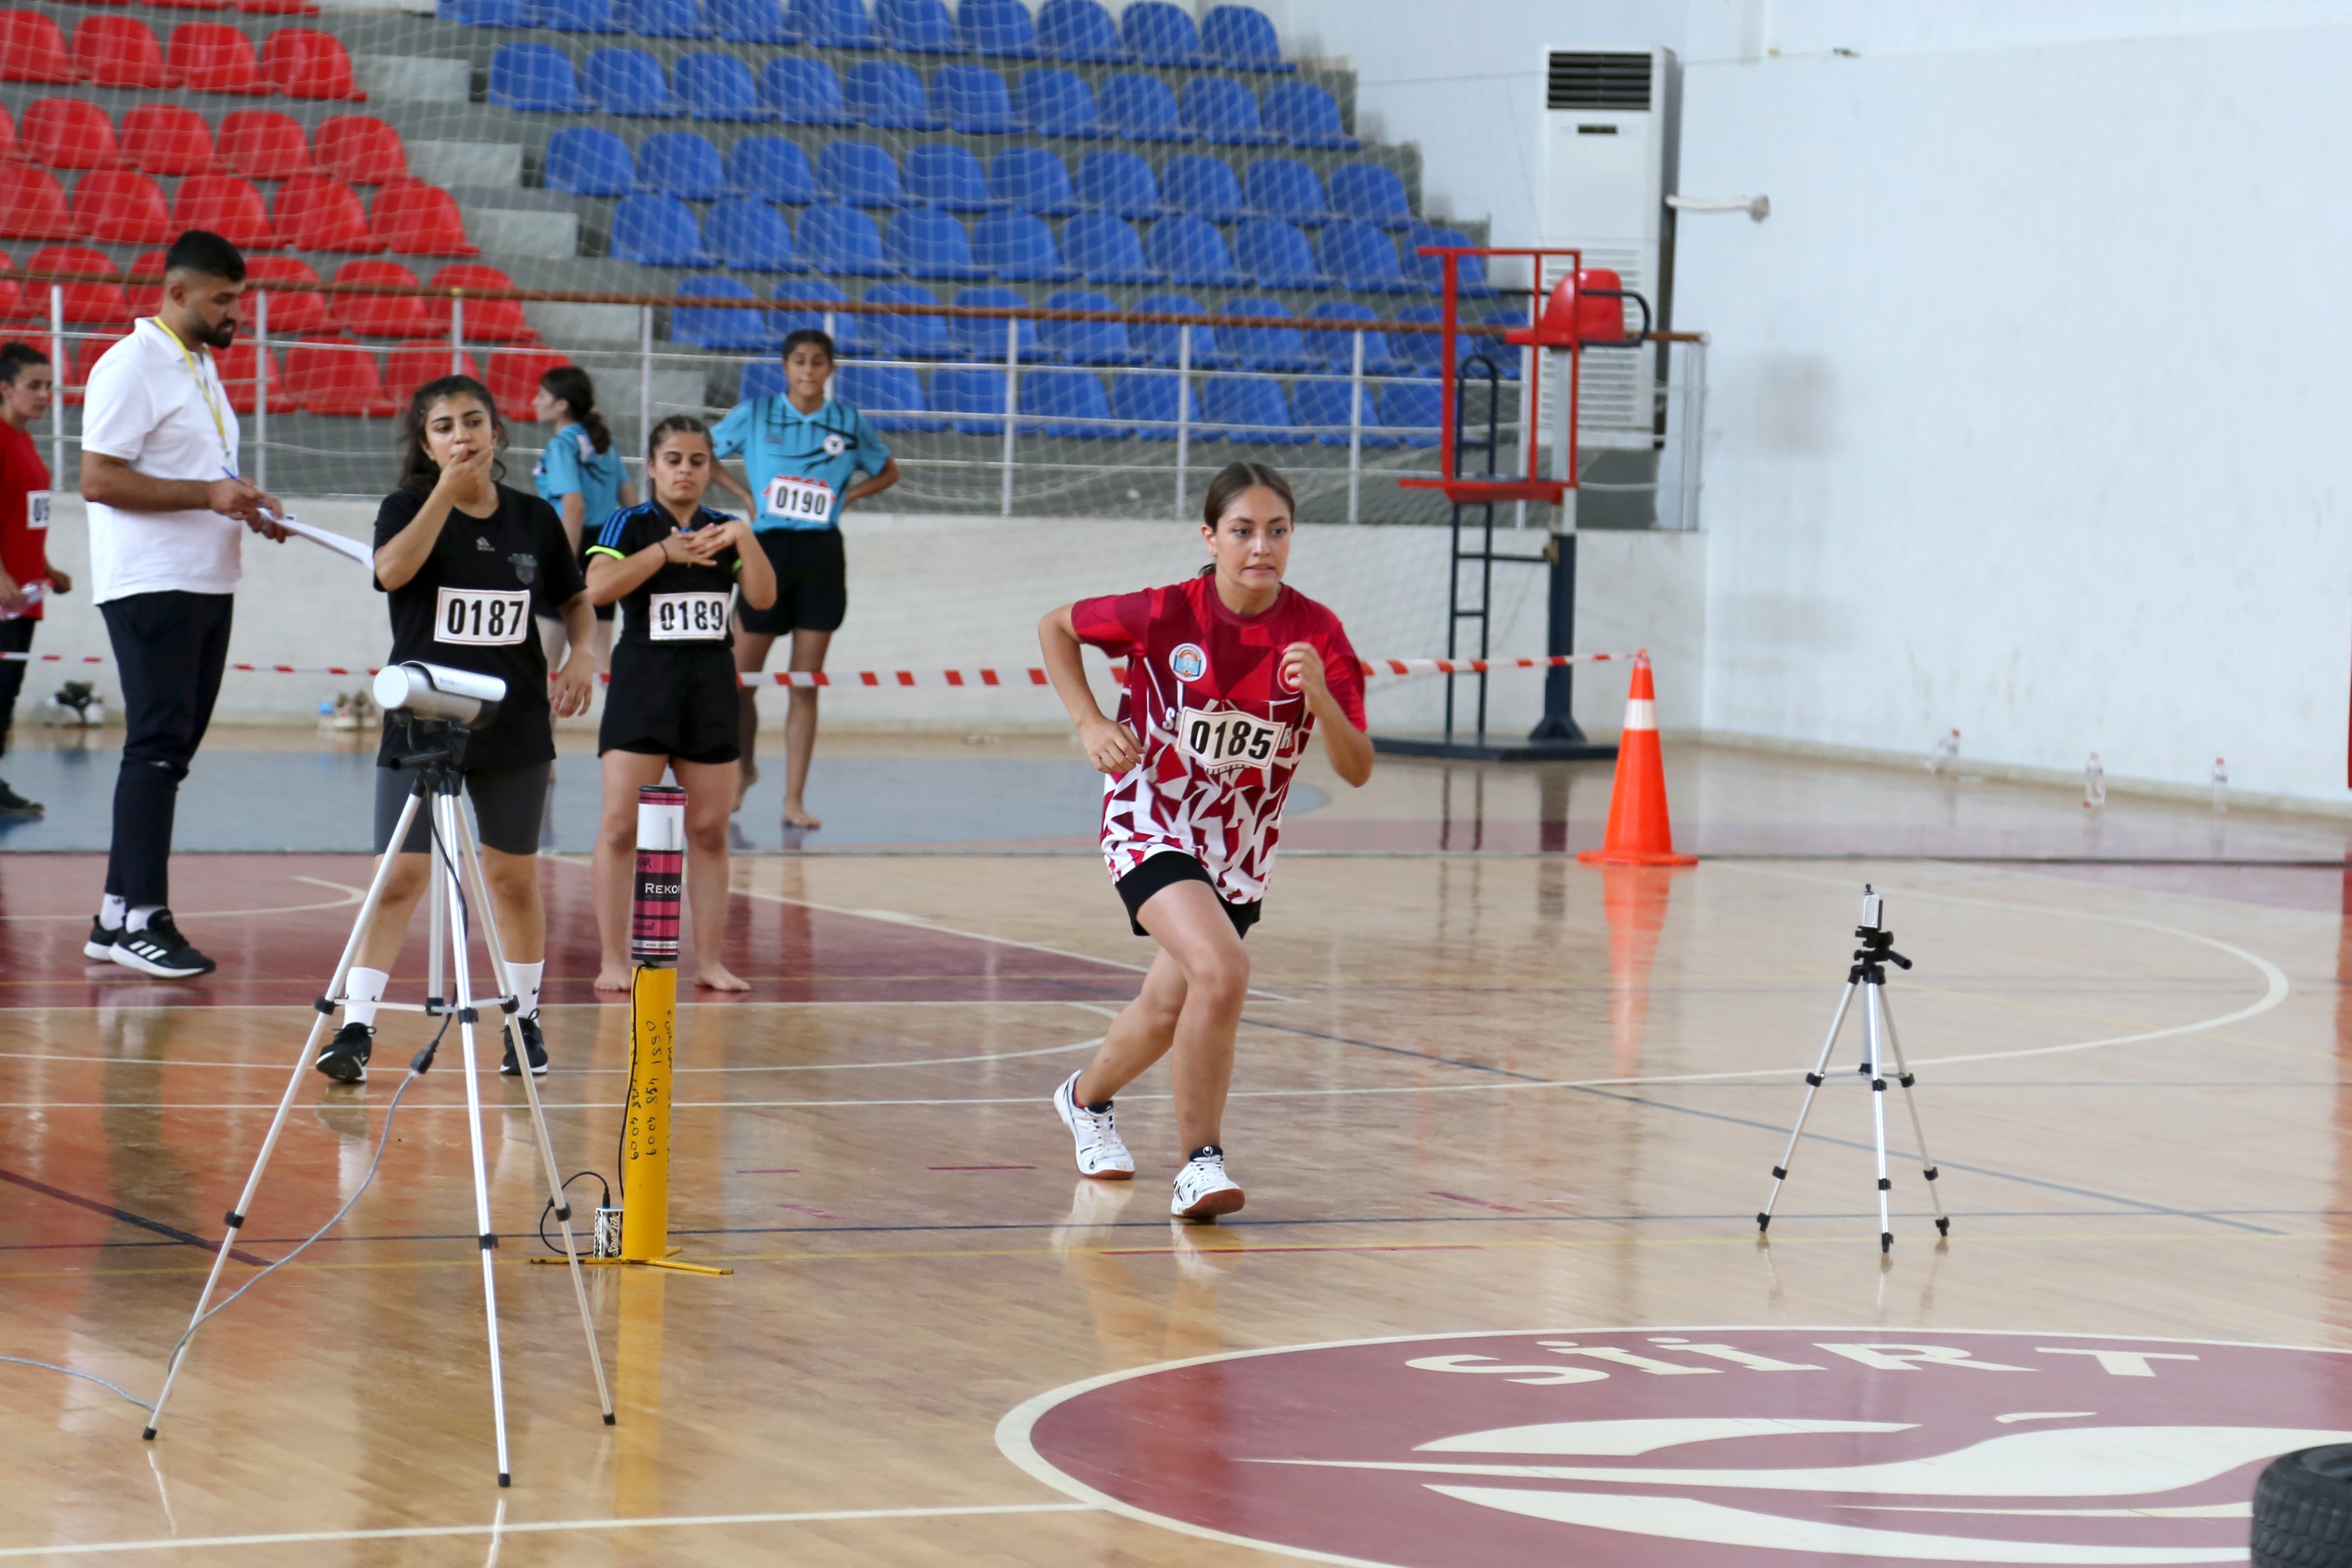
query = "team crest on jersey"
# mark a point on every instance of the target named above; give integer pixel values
(1187, 662)
(526, 567)
(835, 446)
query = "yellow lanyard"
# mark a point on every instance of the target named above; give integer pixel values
(203, 388)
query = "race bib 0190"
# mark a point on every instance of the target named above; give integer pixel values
(481, 618)
(1219, 740)
(36, 509)
(687, 617)
(799, 500)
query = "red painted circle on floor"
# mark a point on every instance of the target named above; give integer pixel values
(1699, 1447)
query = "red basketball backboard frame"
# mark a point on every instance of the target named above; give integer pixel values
(1478, 489)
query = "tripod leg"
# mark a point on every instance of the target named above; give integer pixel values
(1911, 1104)
(1812, 1087)
(448, 825)
(325, 1010)
(473, 860)
(1877, 1065)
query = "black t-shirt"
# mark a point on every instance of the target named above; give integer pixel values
(682, 606)
(470, 607)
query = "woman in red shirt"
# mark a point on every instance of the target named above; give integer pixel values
(26, 577)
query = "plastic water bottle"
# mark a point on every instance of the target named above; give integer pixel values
(2220, 785)
(2095, 783)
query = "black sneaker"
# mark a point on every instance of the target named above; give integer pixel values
(532, 1043)
(344, 1058)
(14, 805)
(103, 939)
(161, 951)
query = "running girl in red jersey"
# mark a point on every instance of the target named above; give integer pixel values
(1228, 675)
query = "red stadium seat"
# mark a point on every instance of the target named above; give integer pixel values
(263, 144)
(86, 353)
(121, 206)
(303, 62)
(10, 152)
(513, 379)
(291, 313)
(417, 219)
(167, 138)
(32, 48)
(70, 133)
(359, 149)
(336, 377)
(236, 366)
(487, 321)
(381, 314)
(119, 51)
(13, 307)
(92, 304)
(318, 212)
(212, 56)
(32, 205)
(405, 370)
(146, 287)
(228, 205)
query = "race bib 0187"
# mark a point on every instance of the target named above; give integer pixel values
(798, 499)
(1218, 740)
(687, 617)
(482, 618)
(36, 509)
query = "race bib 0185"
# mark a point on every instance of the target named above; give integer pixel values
(687, 617)
(1218, 740)
(481, 618)
(36, 509)
(799, 500)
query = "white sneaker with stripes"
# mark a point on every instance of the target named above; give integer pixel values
(1101, 1153)
(1203, 1190)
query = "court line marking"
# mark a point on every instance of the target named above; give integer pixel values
(542, 1527)
(352, 895)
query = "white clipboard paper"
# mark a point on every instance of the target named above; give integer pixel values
(350, 549)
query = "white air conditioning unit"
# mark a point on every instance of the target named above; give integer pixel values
(1609, 130)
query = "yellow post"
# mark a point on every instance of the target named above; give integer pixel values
(644, 1140)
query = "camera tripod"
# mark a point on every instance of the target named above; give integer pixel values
(435, 751)
(1878, 1038)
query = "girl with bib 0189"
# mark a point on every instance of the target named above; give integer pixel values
(461, 558)
(1229, 676)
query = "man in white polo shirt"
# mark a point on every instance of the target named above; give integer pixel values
(159, 471)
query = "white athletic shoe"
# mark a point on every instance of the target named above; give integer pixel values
(1203, 1190)
(1101, 1155)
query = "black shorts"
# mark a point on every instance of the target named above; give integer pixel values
(507, 804)
(812, 583)
(1166, 869)
(678, 703)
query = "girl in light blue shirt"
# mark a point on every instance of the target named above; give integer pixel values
(581, 475)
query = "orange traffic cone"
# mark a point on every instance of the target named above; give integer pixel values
(1639, 832)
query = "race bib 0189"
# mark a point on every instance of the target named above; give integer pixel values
(481, 618)
(1218, 740)
(36, 509)
(687, 617)
(799, 500)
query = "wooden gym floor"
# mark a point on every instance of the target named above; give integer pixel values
(1479, 1094)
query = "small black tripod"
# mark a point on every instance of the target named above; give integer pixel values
(1870, 961)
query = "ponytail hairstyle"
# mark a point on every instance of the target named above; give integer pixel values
(675, 424)
(417, 469)
(570, 385)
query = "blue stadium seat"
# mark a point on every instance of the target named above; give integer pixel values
(833, 23)
(908, 337)
(834, 238)
(1080, 30)
(1429, 271)
(1250, 408)
(1162, 344)
(1337, 350)
(1221, 110)
(890, 95)
(1033, 180)
(751, 237)
(1324, 402)
(973, 99)
(890, 397)
(1067, 403)
(763, 378)
(1412, 409)
(1204, 187)
(917, 28)
(1241, 36)
(1000, 27)
(1286, 189)
(574, 16)
(751, 21)
(720, 87)
(1141, 109)
(1086, 342)
(926, 243)
(535, 76)
(657, 231)
(1276, 255)
(772, 168)
(628, 82)
(486, 13)
(1191, 250)
(982, 336)
(588, 160)
(970, 393)
(1360, 256)
(661, 18)
(1057, 103)
(1505, 355)
(847, 334)
(1305, 116)
(1370, 194)
(736, 330)
(802, 92)
(1262, 347)
(1019, 248)
(949, 177)
(1104, 249)
(681, 163)
(1422, 350)
(859, 174)
(1148, 405)
(1159, 34)
(1119, 183)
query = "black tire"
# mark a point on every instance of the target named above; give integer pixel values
(2303, 1509)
